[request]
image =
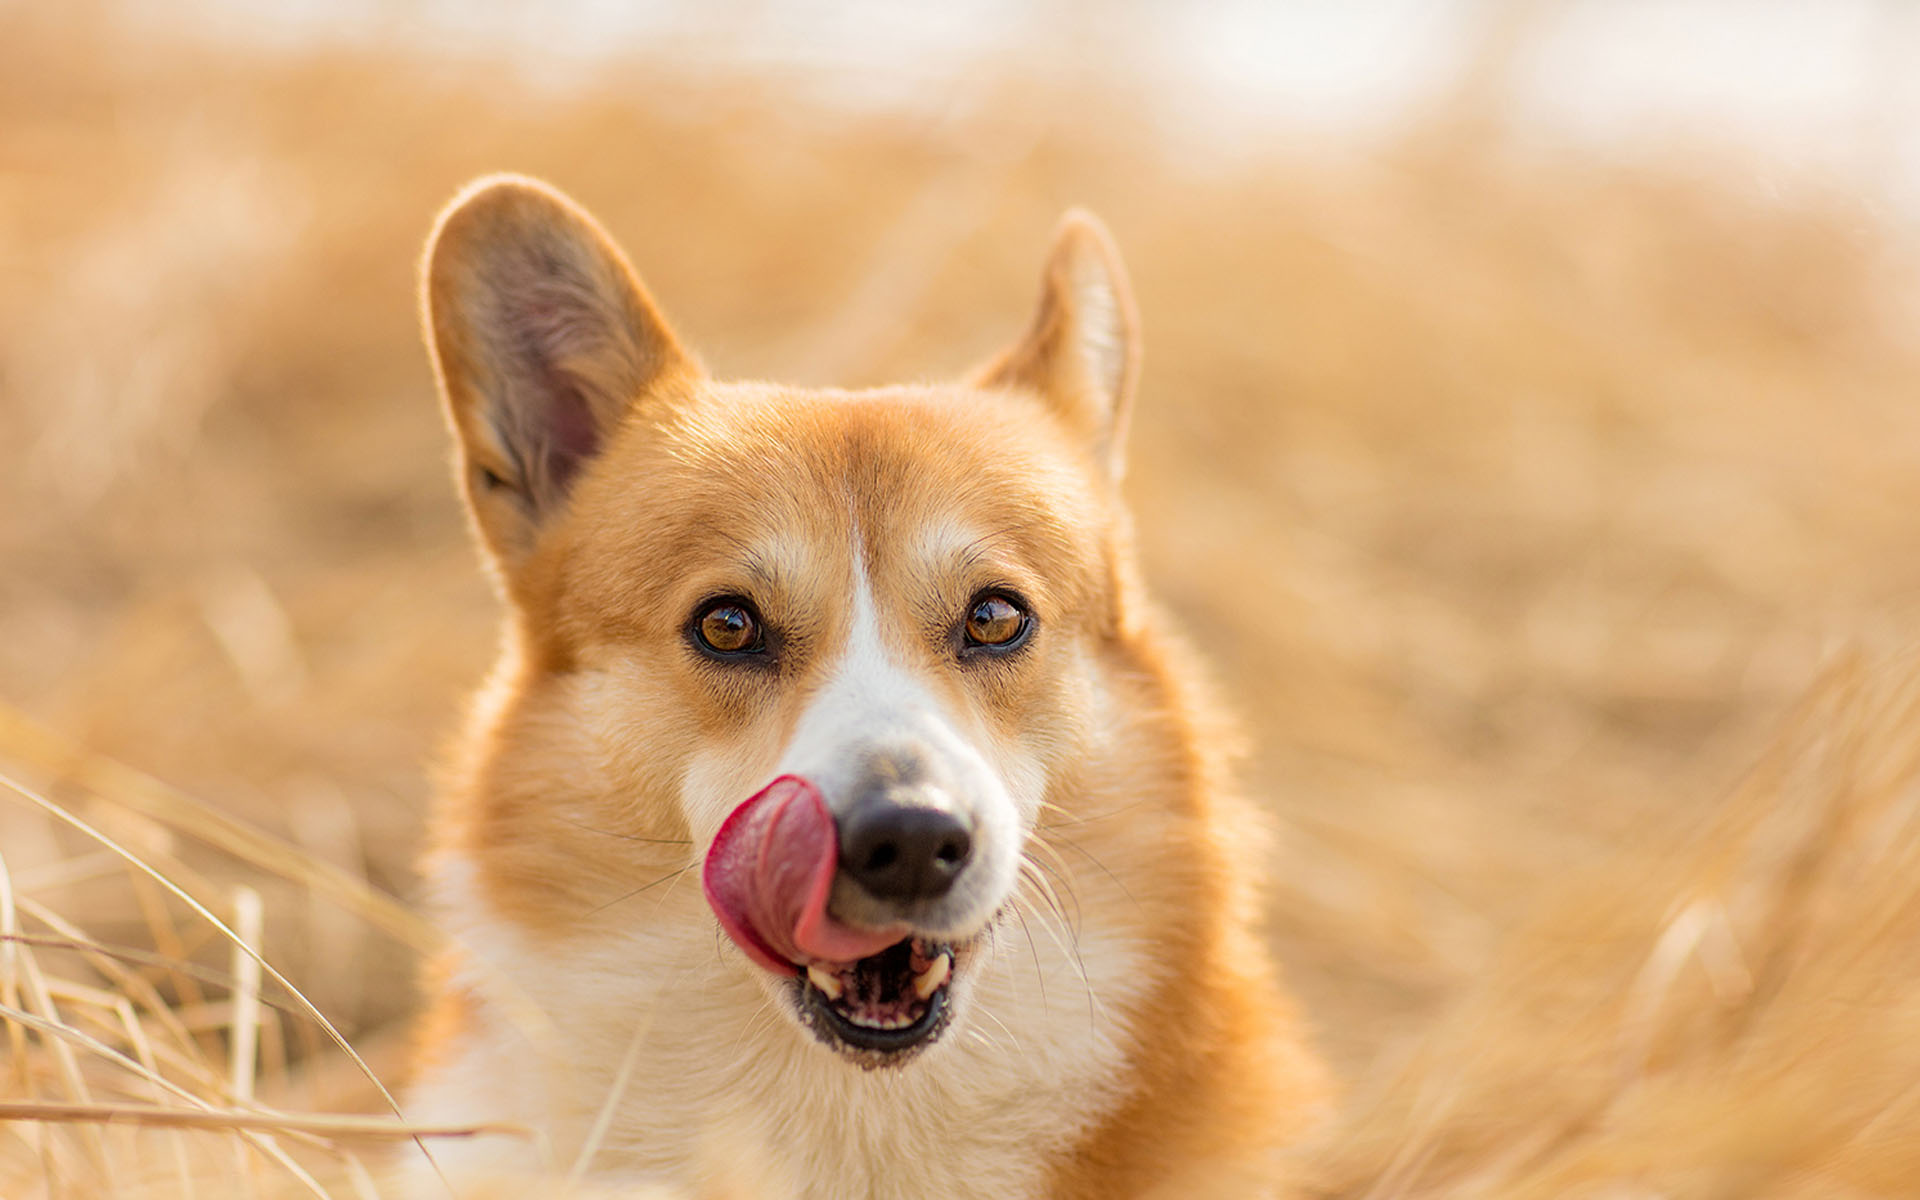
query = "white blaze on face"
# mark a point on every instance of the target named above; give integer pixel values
(871, 704)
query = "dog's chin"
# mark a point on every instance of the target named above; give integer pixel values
(885, 1009)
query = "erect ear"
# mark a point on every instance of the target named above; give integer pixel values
(543, 339)
(1082, 351)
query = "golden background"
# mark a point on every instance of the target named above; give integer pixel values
(1520, 498)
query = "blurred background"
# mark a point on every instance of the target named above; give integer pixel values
(1529, 411)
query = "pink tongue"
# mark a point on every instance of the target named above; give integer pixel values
(768, 876)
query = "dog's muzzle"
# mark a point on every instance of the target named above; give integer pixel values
(783, 870)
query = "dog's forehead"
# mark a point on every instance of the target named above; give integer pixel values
(886, 453)
(772, 480)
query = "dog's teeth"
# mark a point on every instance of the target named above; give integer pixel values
(928, 981)
(829, 985)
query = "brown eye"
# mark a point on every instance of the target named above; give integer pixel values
(996, 622)
(728, 627)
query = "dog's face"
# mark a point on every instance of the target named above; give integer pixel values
(834, 651)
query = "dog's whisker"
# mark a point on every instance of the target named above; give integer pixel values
(1055, 917)
(625, 837)
(1086, 820)
(747, 1027)
(1070, 947)
(1077, 848)
(991, 1044)
(1011, 1035)
(1037, 873)
(1038, 886)
(1063, 875)
(661, 903)
(642, 888)
(1039, 973)
(1046, 803)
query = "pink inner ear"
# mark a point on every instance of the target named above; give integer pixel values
(571, 437)
(550, 328)
(769, 877)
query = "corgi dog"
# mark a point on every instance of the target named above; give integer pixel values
(840, 819)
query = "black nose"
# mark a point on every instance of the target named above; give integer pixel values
(903, 851)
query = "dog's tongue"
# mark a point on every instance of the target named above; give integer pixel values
(768, 876)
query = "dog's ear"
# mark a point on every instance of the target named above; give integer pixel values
(1082, 351)
(543, 340)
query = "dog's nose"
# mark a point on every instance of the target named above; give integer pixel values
(903, 851)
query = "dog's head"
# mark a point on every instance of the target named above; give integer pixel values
(834, 651)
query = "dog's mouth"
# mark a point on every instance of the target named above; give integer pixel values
(884, 1004)
(877, 994)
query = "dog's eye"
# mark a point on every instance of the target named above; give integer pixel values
(996, 622)
(729, 627)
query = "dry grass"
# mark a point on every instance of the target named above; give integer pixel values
(1732, 1014)
(1520, 499)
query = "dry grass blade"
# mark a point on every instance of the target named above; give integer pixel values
(25, 742)
(40, 1012)
(10, 973)
(61, 814)
(178, 1050)
(328, 1125)
(63, 1035)
(248, 920)
(105, 957)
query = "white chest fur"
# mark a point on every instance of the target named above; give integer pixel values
(721, 1094)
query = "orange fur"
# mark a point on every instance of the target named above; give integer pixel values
(651, 487)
